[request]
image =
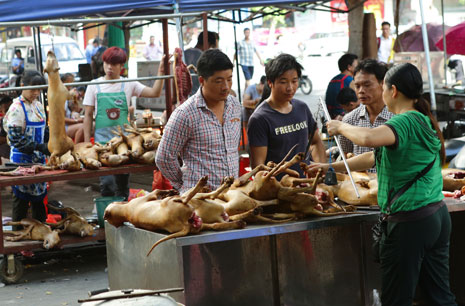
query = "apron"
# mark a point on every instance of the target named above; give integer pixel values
(112, 111)
(34, 131)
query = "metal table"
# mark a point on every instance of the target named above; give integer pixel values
(60, 175)
(457, 248)
(319, 261)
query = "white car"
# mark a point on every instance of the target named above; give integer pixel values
(66, 50)
(324, 44)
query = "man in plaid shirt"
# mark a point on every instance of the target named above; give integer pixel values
(372, 112)
(205, 130)
(245, 50)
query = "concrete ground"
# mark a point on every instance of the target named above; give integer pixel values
(61, 277)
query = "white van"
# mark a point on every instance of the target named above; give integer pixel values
(67, 51)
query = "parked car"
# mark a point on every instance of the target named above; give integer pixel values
(66, 50)
(324, 44)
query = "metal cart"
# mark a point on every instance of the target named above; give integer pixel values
(12, 268)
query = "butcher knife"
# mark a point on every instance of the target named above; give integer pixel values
(328, 117)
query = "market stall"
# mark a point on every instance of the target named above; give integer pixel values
(318, 261)
(11, 248)
(323, 260)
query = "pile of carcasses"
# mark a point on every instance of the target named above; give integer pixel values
(235, 203)
(72, 224)
(136, 145)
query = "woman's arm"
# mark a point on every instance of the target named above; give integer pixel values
(71, 121)
(357, 163)
(88, 120)
(377, 137)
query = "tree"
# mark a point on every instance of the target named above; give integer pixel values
(356, 27)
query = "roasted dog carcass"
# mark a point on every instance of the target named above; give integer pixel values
(453, 179)
(73, 224)
(57, 94)
(88, 155)
(33, 230)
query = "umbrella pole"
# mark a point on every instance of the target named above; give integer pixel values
(428, 60)
(444, 43)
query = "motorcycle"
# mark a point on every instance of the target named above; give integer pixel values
(305, 85)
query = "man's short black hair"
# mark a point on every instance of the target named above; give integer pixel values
(17, 50)
(280, 64)
(246, 29)
(263, 79)
(372, 66)
(66, 76)
(212, 38)
(346, 60)
(5, 99)
(212, 60)
(346, 95)
(385, 23)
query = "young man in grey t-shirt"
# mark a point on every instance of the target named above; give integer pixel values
(281, 121)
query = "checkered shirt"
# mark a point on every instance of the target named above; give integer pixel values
(360, 117)
(205, 146)
(245, 50)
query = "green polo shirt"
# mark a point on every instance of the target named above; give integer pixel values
(416, 146)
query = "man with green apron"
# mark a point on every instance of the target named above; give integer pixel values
(111, 104)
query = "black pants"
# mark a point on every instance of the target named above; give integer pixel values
(115, 185)
(417, 252)
(20, 207)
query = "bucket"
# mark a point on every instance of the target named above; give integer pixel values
(101, 204)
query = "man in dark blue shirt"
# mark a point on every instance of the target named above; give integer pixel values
(347, 64)
(18, 63)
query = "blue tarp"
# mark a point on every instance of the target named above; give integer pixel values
(210, 5)
(23, 10)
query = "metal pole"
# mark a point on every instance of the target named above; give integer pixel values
(94, 20)
(444, 45)
(36, 32)
(39, 51)
(121, 80)
(179, 29)
(237, 60)
(428, 59)
(205, 31)
(328, 117)
(238, 77)
(168, 102)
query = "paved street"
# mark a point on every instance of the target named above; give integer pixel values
(61, 277)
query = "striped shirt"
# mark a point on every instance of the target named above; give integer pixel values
(205, 146)
(360, 117)
(245, 49)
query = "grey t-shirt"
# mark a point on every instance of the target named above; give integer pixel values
(191, 56)
(253, 93)
(280, 132)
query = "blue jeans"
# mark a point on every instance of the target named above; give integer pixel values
(115, 185)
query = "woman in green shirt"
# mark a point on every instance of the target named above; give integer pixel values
(415, 247)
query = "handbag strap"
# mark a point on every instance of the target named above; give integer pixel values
(409, 184)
